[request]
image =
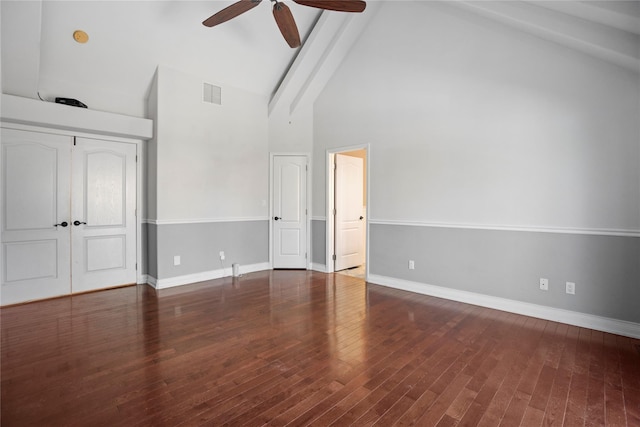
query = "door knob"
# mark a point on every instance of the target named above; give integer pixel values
(276, 218)
(62, 224)
(76, 222)
(361, 217)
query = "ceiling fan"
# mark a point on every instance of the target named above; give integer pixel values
(282, 14)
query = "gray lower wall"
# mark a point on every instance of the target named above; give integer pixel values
(318, 242)
(199, 245)
(505, 264)
(144, 268)
(152, 250)
(509, 264)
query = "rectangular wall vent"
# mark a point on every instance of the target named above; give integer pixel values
(212, 94)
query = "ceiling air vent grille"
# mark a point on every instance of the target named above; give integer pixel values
(212, 94)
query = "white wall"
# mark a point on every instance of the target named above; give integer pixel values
(212, 160)
(151, 159)
(471, 122)
(291, 133)
(20, 20)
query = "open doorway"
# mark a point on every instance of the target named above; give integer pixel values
(347, 211)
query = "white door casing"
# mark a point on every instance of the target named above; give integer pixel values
(48, 180)
(349, 214)
(35, 197)
(104, 197)
(289, 211)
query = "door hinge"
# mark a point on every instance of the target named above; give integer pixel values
(305, 255)
(74, 140)
(334, 212)
(136, 266)
(334, 257)
(136, 158)
(306, 167)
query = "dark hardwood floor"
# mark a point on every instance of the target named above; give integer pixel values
(298, 348)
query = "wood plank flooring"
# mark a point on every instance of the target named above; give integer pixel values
(301, 348)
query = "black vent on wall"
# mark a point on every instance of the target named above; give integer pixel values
(212, 94)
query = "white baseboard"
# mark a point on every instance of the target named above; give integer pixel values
(205, 275)
(142, 279)
(151, 281)
(322, 268)
(604, 324)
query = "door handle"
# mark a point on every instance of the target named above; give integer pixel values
(62, 224)
(76, 222)
(361, 217)
(276, 218)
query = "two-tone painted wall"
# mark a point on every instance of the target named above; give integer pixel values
(207, 181)
(496, 158)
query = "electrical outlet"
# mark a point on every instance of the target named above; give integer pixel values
(544, 284)
(221, 255)
(412, 264)
(176, 260)
(571, 288)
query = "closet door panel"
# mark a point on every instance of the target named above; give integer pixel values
(105, 185)
(104, 204)
(35, 197)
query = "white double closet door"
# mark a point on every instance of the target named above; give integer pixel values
(68, 215)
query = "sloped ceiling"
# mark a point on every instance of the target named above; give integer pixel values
(129, 39)
(608, 30)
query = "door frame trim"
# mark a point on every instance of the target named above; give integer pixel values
(307, 156)
(330, 201)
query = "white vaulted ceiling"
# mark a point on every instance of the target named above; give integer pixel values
(129, 39)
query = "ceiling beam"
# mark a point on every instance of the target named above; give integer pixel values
(571, 28)
(603, 13)
(329, 42)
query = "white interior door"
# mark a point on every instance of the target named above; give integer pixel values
(35, 197)
(103, 214)
(289, 212)
(349, 215)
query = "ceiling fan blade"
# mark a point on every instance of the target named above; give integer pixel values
(230, 12)
(338, 5)
(286, 23)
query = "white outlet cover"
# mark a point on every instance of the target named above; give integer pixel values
(571, 288)
(544, 284)
(412, 264)
(176, 260)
